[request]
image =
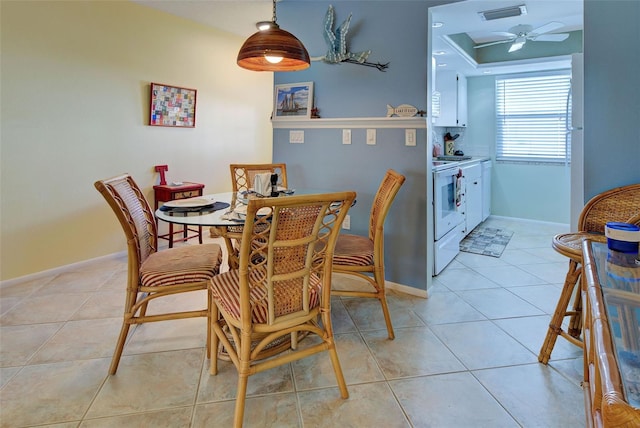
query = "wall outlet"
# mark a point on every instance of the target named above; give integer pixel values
(371, 137)
(409, 137)
(346, 136)
(346, 223)
(296, 137)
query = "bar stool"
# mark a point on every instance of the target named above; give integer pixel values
(619, 204)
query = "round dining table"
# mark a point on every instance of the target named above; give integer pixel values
(213, 210)
(207, 210)
(201, 210)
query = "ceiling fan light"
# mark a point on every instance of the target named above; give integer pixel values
(516, 46)
(273, 42)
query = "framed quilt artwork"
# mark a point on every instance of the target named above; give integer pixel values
(172, 106)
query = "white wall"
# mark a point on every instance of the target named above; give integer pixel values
(75, 102)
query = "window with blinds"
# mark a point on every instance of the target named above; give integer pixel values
(532, 117)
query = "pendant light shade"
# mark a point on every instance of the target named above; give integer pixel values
(273, 49)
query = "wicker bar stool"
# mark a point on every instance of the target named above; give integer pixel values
(619, 204)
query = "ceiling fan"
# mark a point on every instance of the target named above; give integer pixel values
(519, 35)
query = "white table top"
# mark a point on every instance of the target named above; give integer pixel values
(214, 218)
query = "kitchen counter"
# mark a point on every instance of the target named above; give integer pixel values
(440, 163)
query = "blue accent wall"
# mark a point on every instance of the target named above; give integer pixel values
(611, 95)
(395, 32)
(324, 163)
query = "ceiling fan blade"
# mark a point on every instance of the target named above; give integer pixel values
(546, 28)
(492, 43)
(503, 33)
(560, 37)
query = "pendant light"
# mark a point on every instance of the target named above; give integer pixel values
(273, 49)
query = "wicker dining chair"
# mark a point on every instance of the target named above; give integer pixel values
(362, 256)
(242, 176)
(621, 204)
(154, 274)
(282, 287)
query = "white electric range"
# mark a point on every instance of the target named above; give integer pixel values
(448, 212)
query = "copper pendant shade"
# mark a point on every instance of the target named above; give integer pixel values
(275, 43)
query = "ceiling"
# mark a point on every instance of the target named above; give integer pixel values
(462, 17)
(234, 16)
(240, 16)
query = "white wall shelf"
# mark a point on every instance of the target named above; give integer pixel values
(352, 122)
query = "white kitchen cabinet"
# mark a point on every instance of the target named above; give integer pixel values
(472, 195)
(486, 189)
(452, 89)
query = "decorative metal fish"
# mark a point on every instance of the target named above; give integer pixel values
(403, 110)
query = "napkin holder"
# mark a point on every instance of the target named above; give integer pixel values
(265, 184)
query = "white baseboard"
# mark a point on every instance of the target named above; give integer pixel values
(405, 289)
(59, 269)
(527, 220)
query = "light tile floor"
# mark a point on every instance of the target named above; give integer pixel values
(464, 357)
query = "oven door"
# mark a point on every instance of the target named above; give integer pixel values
(446, 200)
(447, 248)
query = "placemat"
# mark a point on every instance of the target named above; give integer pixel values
(204, 209)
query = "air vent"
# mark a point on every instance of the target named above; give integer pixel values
(505, 12)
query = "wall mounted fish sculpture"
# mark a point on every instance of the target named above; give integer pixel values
(337, 45)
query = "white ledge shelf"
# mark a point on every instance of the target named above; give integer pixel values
(352, 122)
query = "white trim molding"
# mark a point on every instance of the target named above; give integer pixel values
(353, 122)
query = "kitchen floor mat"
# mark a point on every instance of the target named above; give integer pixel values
(487, 241)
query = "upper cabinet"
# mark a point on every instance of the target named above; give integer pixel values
(452, 93)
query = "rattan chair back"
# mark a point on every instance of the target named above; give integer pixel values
(242, 175)
(135, 216)
(620, 204)
(385, 195)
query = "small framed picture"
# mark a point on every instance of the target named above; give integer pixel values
(172, 106)
(293, 101)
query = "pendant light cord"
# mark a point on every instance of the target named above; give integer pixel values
(274, 19)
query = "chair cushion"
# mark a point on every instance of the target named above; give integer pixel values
(225, 289)
(353, 250)
(181, 265)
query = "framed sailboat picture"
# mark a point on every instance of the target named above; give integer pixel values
(293, 101)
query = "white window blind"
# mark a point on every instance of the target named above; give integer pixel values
(532, 118)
